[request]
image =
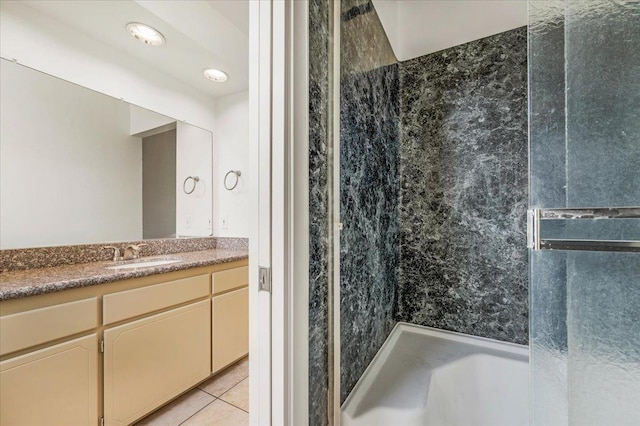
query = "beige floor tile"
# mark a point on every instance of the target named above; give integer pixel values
(179, 410)
(227, 379)
(238, 395)
(219, 413)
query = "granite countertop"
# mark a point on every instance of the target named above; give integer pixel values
(31, 282)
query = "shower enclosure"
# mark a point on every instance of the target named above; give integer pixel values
(584, 86)
(423, 209)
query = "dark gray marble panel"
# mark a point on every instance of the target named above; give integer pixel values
(319, 169)
(463, 262)
(369, 189)
(369, 249)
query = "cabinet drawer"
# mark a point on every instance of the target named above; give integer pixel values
(131, 303)
(230, 279)
(30, 328)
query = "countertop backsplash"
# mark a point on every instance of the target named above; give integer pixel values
(46, 257)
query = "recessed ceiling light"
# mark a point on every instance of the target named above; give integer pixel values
(145, 34)
(216, 75)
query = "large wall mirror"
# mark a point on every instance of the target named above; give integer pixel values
(104, 138)
(78, 166)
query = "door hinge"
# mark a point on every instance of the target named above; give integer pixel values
(264, 279)
(101, 421)
(101, 346)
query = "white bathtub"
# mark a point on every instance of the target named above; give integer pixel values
(429, 377)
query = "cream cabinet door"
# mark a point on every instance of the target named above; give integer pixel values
(149, 361)
(230, 327)
(57, 385)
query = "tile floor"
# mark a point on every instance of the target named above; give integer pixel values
(221, 401)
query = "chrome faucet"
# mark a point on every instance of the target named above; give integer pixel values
(116, 252)
(132, 251)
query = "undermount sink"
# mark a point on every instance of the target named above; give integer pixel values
(144, 264)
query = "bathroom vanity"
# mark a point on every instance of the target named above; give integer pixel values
(116, 345)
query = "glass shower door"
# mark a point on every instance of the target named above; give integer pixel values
(585, 325)
(585, 221)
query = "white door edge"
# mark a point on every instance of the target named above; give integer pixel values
(279, 146)
(260, 215)
(279, 236)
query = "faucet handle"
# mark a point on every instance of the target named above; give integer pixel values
(116, 252)
(132, 251)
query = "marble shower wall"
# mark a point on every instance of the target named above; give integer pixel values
(463, 256)
(433, 191)
(369, 188)
(319, 169)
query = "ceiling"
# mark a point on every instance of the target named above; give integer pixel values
(236, 11)
(420, 27)
(199, 35)
(215, 33)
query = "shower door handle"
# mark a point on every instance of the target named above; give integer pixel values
(535, 217)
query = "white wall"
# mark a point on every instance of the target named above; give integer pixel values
(69, 170)
(232, 151)
(194, 152)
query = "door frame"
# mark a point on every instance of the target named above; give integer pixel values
(279, 217)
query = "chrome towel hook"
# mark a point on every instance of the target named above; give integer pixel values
(237, 173)
(195, 180)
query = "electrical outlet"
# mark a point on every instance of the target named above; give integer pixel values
(225, 222)
(187, 222)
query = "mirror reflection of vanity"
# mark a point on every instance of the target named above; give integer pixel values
(84, 156)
